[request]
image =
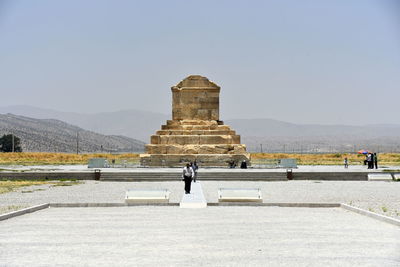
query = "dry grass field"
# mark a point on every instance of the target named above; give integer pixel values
(392, 159)
(41, 158)
(33, 158)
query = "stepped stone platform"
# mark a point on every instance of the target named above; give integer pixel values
(195, 132)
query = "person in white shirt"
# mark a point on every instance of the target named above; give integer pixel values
(187, 176)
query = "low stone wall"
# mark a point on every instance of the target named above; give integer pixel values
(175, 176)
(331, 176)
(46, 175)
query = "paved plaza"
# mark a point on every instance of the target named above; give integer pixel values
(215, 236)
(381, 197)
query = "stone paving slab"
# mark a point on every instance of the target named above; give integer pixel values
(195, 199)
(216, 236)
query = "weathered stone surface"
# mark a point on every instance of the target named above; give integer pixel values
(191, 139)
(205, 160)
(195, 131)
(195, 98)
(195, 149)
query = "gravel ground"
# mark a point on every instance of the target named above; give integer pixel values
(379, 197)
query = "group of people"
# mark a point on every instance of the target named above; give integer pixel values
(243, 164)
(189, 173)
(371, 160)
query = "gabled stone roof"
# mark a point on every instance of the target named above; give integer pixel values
(196, 81)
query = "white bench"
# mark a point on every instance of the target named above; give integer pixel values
(147, 196)
(396, 176)
(380, 177)
(239, 195)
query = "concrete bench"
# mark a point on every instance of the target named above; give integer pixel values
(380, 177)
(239, 195)
(396, 176)
(147, 196)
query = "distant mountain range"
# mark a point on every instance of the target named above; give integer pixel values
(267, 134)
(132, 123)
(50, 135)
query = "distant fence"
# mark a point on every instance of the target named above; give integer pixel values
(114, 163)
(274, 163)
(289, 148)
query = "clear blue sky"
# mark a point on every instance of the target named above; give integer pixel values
(328, 62)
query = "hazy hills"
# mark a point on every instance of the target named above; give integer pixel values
(52, 135)
(277, 136)
(132, 123)
(273, 135)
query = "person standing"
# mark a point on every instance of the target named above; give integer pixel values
(187, 176)
(375, 161)
(372, 160)
(195, 167)
(346, 163)
(369, 161)
(243, 165)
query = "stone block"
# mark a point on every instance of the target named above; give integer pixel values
(239, 195)
(178, 160)
(155, 139)
(239, 149)
(215, 139)
(380, 177)
(156, 149)
(147, 196)
(235, 139)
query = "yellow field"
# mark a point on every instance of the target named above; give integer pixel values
(392, 159)
(27, 158)
(39, 158)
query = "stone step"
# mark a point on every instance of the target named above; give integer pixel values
(196, 127)
(196, 132)
(177, 160)
(194, 139)
(163, 176)
(193, 122)
(167, 151)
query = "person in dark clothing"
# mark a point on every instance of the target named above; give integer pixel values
(375, 161)
(232, 164)
(243, 165)
(187, 176)
(346, 163)
(195, 167)
(370, 161)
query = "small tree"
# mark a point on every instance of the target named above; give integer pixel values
(6, 143)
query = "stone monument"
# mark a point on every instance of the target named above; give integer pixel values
(195, 131)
